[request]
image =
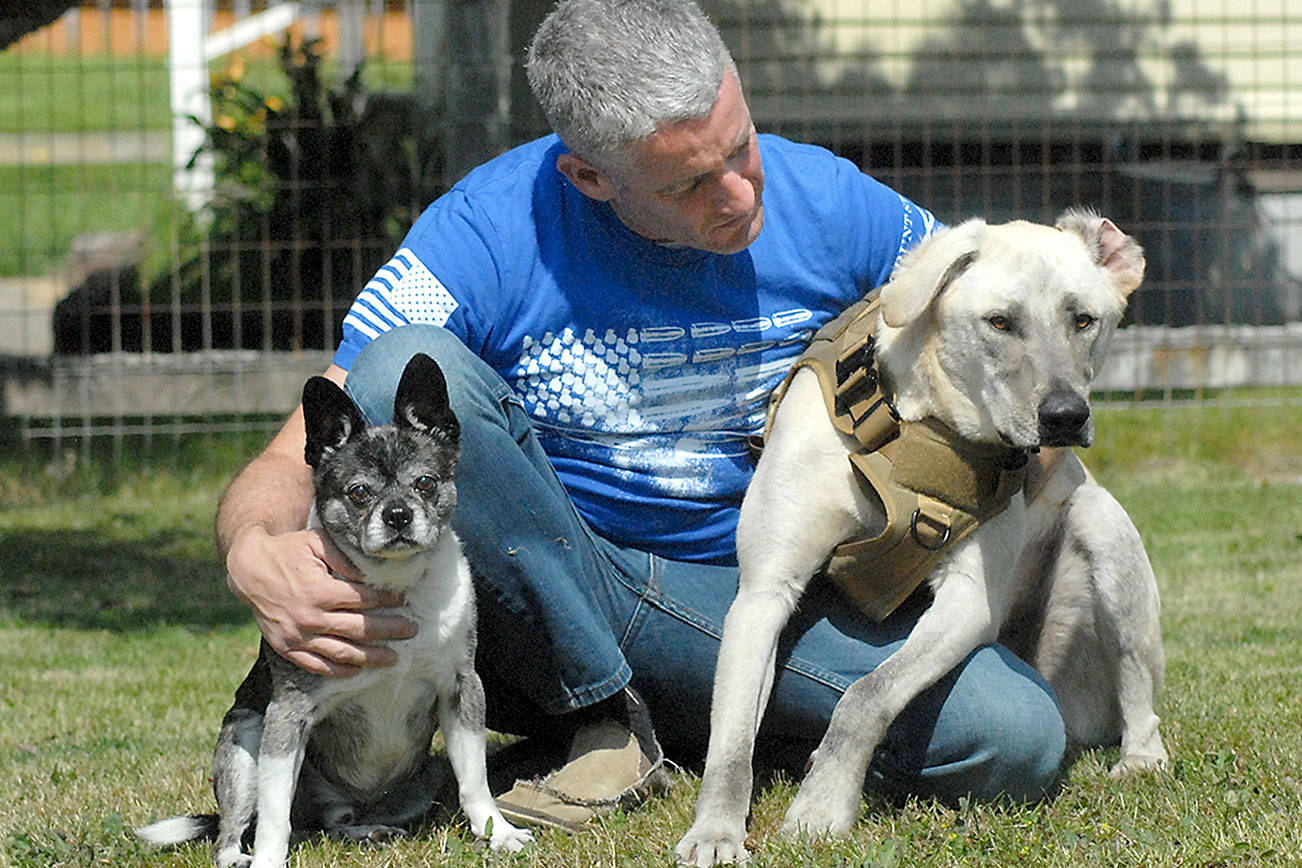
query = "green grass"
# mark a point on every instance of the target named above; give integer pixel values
(122, 648)
(45, 93)
(43, 208)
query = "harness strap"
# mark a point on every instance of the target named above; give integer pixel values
(935, 487)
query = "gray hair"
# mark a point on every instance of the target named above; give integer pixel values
(608, 72)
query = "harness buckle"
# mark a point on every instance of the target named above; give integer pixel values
(913, 528)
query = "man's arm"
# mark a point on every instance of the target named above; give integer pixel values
(316, 620)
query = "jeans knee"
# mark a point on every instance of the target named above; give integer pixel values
(1025, 742)
(373, 378)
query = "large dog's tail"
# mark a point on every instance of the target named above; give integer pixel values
(179, 830)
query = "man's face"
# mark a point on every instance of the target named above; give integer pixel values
(695, 183)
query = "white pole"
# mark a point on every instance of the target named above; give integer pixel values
(187, 26)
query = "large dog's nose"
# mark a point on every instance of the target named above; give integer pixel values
(397, 515)
(1063, 416)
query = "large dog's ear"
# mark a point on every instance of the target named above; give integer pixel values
(330, 416)
(1112, 250)
(422, 399)
(928, 269)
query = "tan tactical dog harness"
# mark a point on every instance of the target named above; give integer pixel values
(936, 487)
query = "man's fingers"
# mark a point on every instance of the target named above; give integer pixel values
(327, 655)
(364, 627)
(337, 561)
(342, 595)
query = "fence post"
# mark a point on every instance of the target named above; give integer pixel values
(187, 68)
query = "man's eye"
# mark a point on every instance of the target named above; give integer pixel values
(686, 188)
(425, 484)
(1084, 321)
(359, 493)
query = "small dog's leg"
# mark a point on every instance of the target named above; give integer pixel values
(280, 758)
(235, 781)
(963, 616)
(461, 717)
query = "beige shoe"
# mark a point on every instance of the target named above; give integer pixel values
(606, 769)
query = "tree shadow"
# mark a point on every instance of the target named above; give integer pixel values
(91, 579)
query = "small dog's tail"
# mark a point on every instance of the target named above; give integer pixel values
(178, 830)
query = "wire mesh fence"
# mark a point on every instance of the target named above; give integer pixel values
(192, 192)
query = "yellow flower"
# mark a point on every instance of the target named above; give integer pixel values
(235, 69)
(275, 103)
(226, 122)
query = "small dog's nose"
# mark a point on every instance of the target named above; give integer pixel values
(397, 515)
(1063, 415)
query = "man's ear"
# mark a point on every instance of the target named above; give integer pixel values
(591, 181)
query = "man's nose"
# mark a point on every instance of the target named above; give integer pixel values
(736, 192)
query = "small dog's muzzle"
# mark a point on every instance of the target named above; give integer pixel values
(397, 516)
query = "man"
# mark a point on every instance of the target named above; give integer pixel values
(612, 306)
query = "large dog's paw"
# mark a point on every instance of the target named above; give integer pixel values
(1134, 763)
(709, 843)
(817, 812)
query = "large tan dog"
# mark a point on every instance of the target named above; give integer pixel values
(994, 332)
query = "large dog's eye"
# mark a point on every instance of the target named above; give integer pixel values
(359, 493)
(999, 322)
(1084, 321)
(425, 484)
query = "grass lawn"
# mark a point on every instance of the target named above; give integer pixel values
(48, 93)
(122, 649)
(43, 208)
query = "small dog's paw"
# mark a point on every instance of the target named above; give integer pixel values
(232, 858)
(711, 844)
(817, 816)
(509, 839)
(1135, 763)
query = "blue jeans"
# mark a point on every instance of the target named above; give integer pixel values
(567, 618)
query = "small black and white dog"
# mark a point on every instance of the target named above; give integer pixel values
(351, 756)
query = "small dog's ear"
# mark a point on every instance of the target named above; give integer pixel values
(1112, 250)
(928, 269)
(422, 399)
(330, 416)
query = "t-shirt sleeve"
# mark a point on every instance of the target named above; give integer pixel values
(886, 223)
(445, 274)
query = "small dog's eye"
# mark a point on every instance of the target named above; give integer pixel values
(359, 493)
(1084, 321)
(425, 484)
(999, 322)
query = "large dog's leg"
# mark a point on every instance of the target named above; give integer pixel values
(802, 502)
(971, 591)
(235, 782)
(285, 729)
(1126, 612)
(462, 718)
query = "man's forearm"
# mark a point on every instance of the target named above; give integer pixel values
(274, 493)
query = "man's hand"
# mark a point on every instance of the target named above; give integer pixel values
(308, 603)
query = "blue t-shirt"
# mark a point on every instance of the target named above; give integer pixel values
(643, 367)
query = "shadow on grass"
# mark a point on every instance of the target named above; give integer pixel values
(97, 580)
